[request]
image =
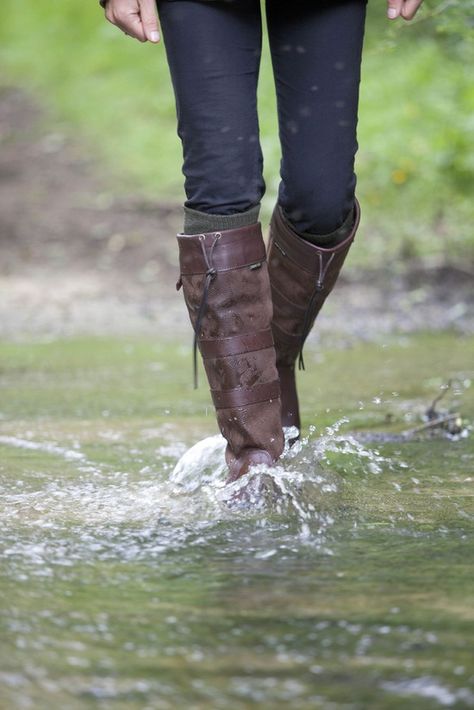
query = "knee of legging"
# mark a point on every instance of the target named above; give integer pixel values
(222, 174)
(319, 210)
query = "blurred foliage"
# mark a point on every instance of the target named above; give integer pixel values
(416, 160)
(455, 20)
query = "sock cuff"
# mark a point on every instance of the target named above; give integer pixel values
(197, 222)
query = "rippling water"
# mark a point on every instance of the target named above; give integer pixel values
(132, 577)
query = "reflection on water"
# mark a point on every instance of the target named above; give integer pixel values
(132, 577)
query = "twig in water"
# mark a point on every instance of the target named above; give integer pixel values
(432, 424)
(431, 412)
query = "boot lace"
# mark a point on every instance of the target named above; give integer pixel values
(210, 276)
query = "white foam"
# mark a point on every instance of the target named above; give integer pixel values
(47, 447)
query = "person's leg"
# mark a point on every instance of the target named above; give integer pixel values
(213, 51)
(316, 50)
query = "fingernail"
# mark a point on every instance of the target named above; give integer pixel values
(155, 36)
(392, 13)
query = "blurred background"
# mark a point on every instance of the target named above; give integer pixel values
(91, 163)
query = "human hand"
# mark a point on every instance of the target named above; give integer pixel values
(403, 8)
(137, 18)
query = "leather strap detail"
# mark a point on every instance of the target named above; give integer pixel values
(243, 246)
(306, 255)
(236, 344)
(242, 397)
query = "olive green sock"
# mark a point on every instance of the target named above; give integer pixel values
(328, 241)
(196, 222)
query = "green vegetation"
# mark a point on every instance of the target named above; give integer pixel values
(415, 163)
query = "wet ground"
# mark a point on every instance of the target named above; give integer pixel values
(131, 577)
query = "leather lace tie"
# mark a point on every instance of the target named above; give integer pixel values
(211, 273)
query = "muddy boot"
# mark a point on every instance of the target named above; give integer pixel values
(226, 288)
(301, 275)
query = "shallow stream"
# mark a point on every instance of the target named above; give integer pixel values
(132, 577)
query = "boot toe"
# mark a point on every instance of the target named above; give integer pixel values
(248, 458)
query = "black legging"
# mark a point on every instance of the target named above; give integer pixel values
(213, 49)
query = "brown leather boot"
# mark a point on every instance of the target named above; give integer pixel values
(226, 288)
(301, 275)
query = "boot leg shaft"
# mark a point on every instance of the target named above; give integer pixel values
(226, 287)
(302, 275)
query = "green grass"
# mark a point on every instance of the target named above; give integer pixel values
(415, 163)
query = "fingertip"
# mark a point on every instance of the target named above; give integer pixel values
(408, 15)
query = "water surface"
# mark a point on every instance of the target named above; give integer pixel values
(134, 578)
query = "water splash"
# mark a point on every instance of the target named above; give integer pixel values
(303, 486)
(101, 513)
